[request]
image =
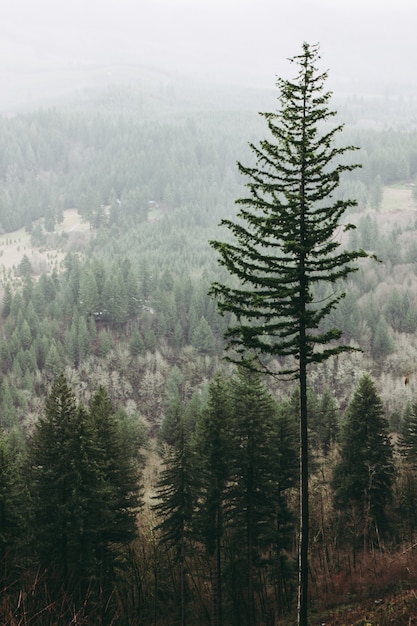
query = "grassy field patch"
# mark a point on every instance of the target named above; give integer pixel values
(14, 245)
(398, 198)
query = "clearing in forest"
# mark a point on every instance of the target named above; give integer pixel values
(14, 245)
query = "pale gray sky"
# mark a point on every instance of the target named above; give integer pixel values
(363, 42)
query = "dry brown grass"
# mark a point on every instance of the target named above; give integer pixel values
(380, 591)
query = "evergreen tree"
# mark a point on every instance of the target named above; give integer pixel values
(61, 471)
(172, 422)
(136, 345)
(174, 388)
(44, 293)
(382, 343)
(13, 504)
(88, 292)
(115, 299)
(32, 318)
(25, 267)
(53, 361)
(203, 339)
(105, 343)
(71, 343)
(285, 245)
(149, 339)
(178, 336)
(116, 498)
(85, 495)
(7, 301)
(364, 475)
(287, 478)
(213, 447)
(347, 315)
(325, 422)
(175, 506)
(252, 502)
(8, 417)
(83, 340)
(407, 440)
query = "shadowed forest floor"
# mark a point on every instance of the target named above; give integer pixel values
(399, 609)
(396, 609)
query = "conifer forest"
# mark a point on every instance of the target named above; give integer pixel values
(208, 330)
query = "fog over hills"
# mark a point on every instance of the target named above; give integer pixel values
(50, 49)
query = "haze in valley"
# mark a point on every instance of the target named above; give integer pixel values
(50, 48)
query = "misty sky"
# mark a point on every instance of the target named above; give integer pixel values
(363, 42)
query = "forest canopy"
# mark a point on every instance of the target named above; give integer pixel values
(119, 321)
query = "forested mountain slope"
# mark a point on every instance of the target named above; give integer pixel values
(153, 189)
(119, 315)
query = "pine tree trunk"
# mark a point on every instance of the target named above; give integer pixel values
(250, 541)
(217, 600)
(304, 296)
(304, 513)
(251, 604)
(182, 581)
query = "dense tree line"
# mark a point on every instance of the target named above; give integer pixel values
(216, 542)
(105, 156)
(229, 492)
(88, 312)
(142, 293)
(153, 293)
(69, 500)
(128, 320)
(56, 160)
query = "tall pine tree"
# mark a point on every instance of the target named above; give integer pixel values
(285, 243)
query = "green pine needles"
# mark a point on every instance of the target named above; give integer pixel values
(285, 246)
(285, 240)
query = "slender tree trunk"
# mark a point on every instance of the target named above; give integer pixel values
(304, 513)
(303, 294)
(251, 604)
(250, 536)
(64, 556)
(217, 613)
(101, 582)
(155, 594)
(236, 589)
(182, 581)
